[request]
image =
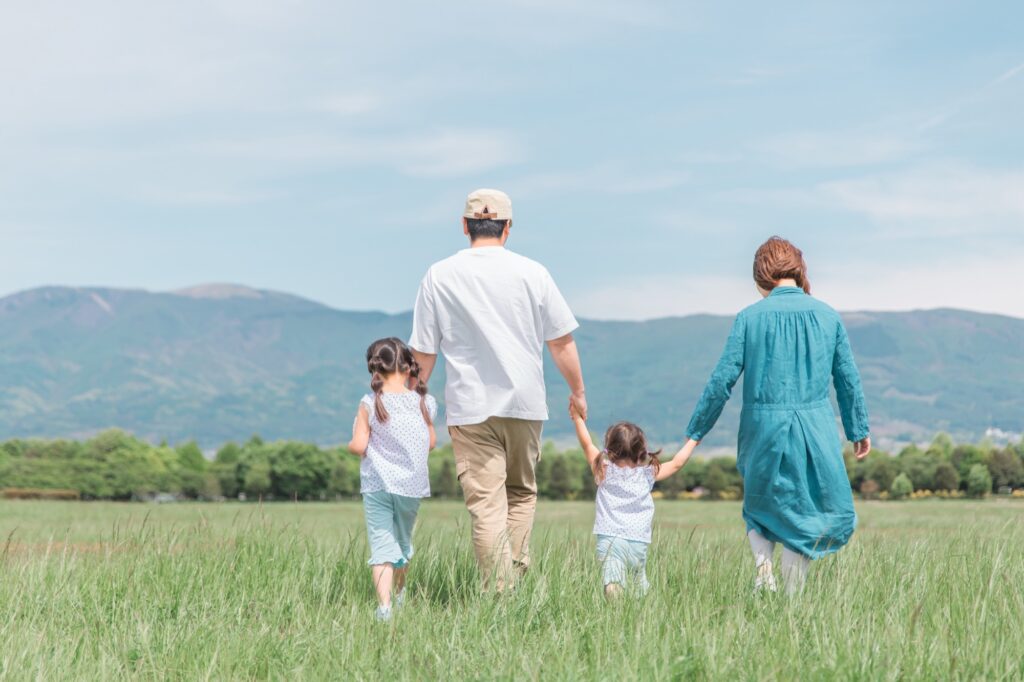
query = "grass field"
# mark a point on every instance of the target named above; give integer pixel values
(927, 590)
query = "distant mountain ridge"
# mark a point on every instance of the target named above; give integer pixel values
(221, 362)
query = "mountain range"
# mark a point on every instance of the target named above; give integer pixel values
(222, 362)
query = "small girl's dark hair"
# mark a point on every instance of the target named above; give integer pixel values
(385, 357)
(626, 442)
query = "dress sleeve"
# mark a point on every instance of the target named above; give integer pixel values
(719, 387)
(426, 328)
(852, 406)
(432, 407)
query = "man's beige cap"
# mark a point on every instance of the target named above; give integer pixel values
(488, 204)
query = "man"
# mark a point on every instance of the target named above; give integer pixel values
(490, 312)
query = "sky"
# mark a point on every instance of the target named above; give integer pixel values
(325, 148)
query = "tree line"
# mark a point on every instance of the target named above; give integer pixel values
(115, 465)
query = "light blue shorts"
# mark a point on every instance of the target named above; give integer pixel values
(389, 522)
(623, 562)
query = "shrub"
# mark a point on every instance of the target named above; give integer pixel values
(869, 489)
(901, 487)
(946, 477)
(39, 494)
(979, 481)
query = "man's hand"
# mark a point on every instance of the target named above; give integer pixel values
(578, 406)
(862, 447)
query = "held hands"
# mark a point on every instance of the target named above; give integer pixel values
(862, 447)
(578, 406)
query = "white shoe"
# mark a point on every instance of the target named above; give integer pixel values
(383, 614)
(398, 601)
(765, 583)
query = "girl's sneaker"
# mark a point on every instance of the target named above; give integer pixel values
(399, 600)
(383, 614)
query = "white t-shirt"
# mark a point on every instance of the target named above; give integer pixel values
(489, 311)
(396, 454)
(625, 507)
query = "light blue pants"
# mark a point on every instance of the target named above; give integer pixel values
(623, 562)
(389, 522)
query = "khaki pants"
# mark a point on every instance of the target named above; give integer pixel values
(496, 464)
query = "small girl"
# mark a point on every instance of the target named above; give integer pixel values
(393, 433)
(625, 472)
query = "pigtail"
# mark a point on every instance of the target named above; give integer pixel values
(376, 384)
(418, 385)
(653, 461)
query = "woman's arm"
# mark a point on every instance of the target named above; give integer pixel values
(677, 462)
(852, 407)
(590, 450)
(360, 432)
(719, 387)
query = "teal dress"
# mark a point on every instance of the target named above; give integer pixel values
(795, 488)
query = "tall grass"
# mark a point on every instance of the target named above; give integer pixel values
(928, 590)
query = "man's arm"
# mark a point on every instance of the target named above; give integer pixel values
(426, 361)
(567, 359)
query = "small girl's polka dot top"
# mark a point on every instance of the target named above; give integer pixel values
(396, 456)
(625, 508)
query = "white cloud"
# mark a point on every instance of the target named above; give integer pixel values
(349, 104)
(607, 178)
(444, 153)
(828, 150)
(973, 197)
(942, 199)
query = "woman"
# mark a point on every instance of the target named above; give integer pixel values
(795, 488)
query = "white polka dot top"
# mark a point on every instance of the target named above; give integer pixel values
(396, 456)
(625, 508)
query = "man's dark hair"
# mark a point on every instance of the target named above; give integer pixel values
(485, 229)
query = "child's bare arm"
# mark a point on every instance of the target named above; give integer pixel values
(677, 462)
(361, 432)
(433, 436)
(590, 450)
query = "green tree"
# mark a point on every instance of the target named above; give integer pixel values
(257, 479)
(946, 477)
(979, 481)
(229, 453)
(901, 487)
(446, 484)
(565, 481)
(919, 467)
(715, 481)
(964, 458)
(942, 446)
(299, 471)
(882, 469)
(1006, 468)
(191, 457)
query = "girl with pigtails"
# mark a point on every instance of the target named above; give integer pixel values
(393, 433)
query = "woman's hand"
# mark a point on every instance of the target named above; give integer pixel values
(862, 447)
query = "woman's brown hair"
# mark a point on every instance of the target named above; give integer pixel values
(384, 357)
(778, 259)
(625, 442)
